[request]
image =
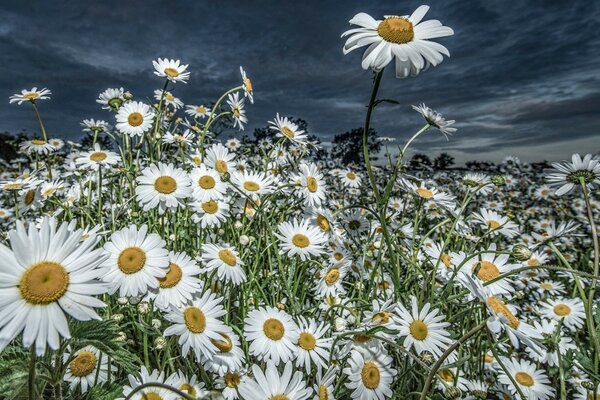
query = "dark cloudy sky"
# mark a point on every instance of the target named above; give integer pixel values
(523, 77)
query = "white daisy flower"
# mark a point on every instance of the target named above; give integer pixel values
(270, 385)
(491, 266)
(570, 311)
(285, 128)
(30, 95)
(220, 159)
(247, 84)
(134, 118)
(533, 382)
(569, 175)
(92, 125)
(436, 120)
(226, 260)
(46, 273)
(350, 179)
(162, 186)
(370, 374)
(404, 38)
(111, 98)
(36, 146)
(152, 392)
(496, 223)
(237, 110)
(207, 184)
(210, 213)
(97, 158)
(253, 184)
(85, 365)
(229, 355)
(136, 261)
(173, 70)
(181, 139)
(272, 334)
(312, 185)
(200, 111)
(299, 238)
(168, 98)
(313, 346)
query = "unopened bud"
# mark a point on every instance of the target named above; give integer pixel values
(521, 252)
(160, 343)
(498, 180)
(453, 393)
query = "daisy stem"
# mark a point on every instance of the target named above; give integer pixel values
(561, 370)
(16, 196)
(376, 83)
(445, 355)
(506, 371)
(416, 135)
(215, 107)
(39, 118)
(31, 380)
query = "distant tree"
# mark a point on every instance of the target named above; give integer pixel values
(9, 145)
(479, 165)
(420, 161)
(443, 161)
(348, 146)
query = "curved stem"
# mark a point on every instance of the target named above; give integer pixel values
(159, 385)
(376, 83)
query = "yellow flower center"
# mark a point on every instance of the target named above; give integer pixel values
(381, 318)
(332, 276)
(248, 85)
(31, 96)
(194, 319)
(171, 72)
(370, 375)
(523, 378)
(288, 132)
(493, 224)
(165, 185)
(44, 283)
(232, 379)
(424, 193)
(189, 389)
(273, 329)
(323, 223)
(500, 308)
(300, 240)
(221, 166)
(546, 286)
(206, 182)
(29, 197)
(169, 97)
(307, 341)
(201, 109)
(532, 262)
(361, 338)
(323, 393)
(172, 278)
(562, 310)
(351, 175)
(131, 260)
(251, 186)
(228, 257)
(418, 329)
(311, 184)
(338, 256)
(38, 142)
(210, 207)
(446, 375)
(488, 358)
(135, 119)
(487, 271)
(83, 364)
(396, 30)
(446, 260)
(279, 397)
(98, 156)
(225, 345)
(151, 396)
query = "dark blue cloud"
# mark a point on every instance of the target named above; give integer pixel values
(522, 78)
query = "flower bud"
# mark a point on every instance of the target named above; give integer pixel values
(587, 385)
(117, 317)
(498, 180)
(134, 300)
(340, 324)
(521, 252)
(244, 240)
(156, 323)
(453, 393)
(143, 307)
(122, 300)
(160, 343)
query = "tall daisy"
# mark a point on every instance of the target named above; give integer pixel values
(173, 70)
(220, 159)
(97, 158)
(272, 334)
(568, 175)
(30, 95)
(247, 84)
(47, 273)
(312, 185)
(162, 186)
(134, 118)
(237, 110)
(299, 238)
(136, 260)
(285, 128)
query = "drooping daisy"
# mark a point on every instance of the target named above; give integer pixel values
(36, 146)
(97, 158)
(569, 175)
(570, 311)
(436, 120)
(162, 186)
(253, 184)
(198, 111)
(533, 382)
(136, 261)
(225, 260)
(46, 273)
(168, 98)
(198, 325)
(324, 385)
(134, 118)
(30, 95)
(173, 70)
(179, 284)
(270, 385)
(237, 110)
(404, 38)
(299, 238)
(182, 139)
(111, 98)
(247, 84)
(491, 266)
(370, 374)
(285, 128)
(273, 335)
(312, 183)
(229, 355)
(85, 364)
(220, 159)
(313, 346)
(207, 184)
(95, 126)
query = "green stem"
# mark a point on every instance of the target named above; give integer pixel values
(31, 379)
(376, 83)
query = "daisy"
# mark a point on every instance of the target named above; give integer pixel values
(247, 84)
(181, 139)
(404, 38)
(134, 118)
(220, 159)
(168, 98)
(111, 98)
(84, 365)
(179, 284)
(225, 260)
(30, 95)
(198, 325)
(253, 184)
(210, 213)
(330, 281)
(350, 179)
(423, 330)
(491, 266)
(173, 70)
(191, 386)
(496, 223)
(272, 334)
(207, 184)
(481, 182)
(36, 146)
(570, 311)
(46, 273)
(312, 183)
(97, 158)
(152, 392)
(533, 382)
(313, 347)
(229, 383)
(436, 120)
(270, 385)
(324, 385)
(233, 144)
(136, 260)
(162, 186)
(229, 355)
(57, 143)
(370, 374)
(200, 111)
(237, 110)
(568, 175)
(285, 128)
(94, 126)
(299, 238)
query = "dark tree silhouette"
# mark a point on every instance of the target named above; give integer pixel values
(420, 161)
(348, 146)
(443, 161)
